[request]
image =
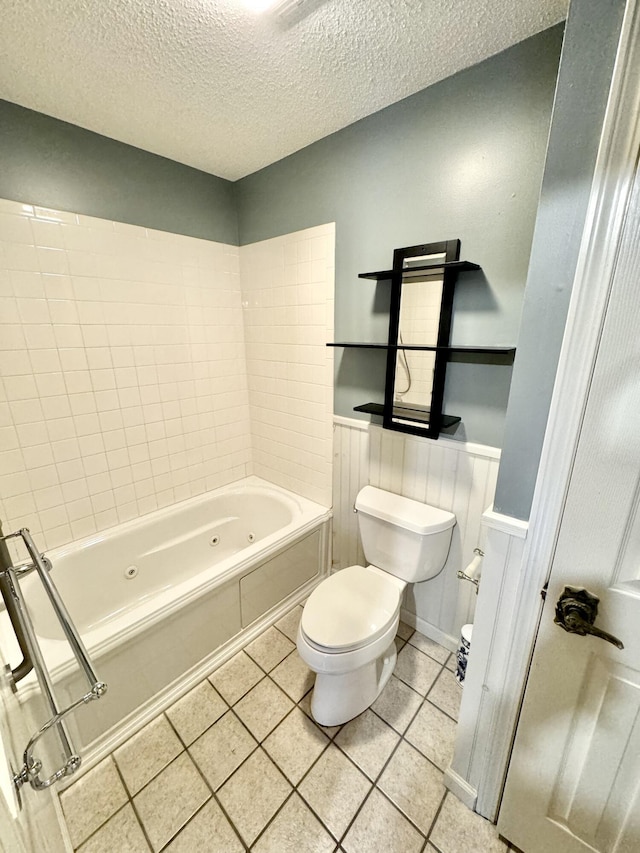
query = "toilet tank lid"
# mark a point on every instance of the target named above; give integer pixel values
(403, 512)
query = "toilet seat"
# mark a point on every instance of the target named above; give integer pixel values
(351, 609)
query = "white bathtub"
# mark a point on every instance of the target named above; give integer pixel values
(158, 600)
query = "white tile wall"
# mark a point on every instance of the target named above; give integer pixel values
(288, 287)
(451, 475)
(123, 383)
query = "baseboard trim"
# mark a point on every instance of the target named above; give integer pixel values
(462, 789)
(429, 630)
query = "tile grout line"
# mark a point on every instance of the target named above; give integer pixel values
(212, 792)
(331, 739)
(133, 806)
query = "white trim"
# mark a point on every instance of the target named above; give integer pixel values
(352, 423)
(458, 786)
(480, 756)
(613, 177)
(505, 524)
(429, 630)
(461, 446)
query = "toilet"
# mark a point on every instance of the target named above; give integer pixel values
(349, 622)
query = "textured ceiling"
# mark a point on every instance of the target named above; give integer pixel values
(213, 85)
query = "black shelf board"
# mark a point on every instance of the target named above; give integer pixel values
(359, 345)
(456, 266)
(407, 413)
(481, 350)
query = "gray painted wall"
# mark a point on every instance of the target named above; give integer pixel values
(463, 158)
(55, 164)
(592, 33)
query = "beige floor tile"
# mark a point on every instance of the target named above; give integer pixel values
(414, 785)
(452, 662)
(446, 693)
(263, 708)
(368, 741)
(145, 754)
(295, 830)
(400, 644)
(288, 625)
(397, 704)
(270, 648)
(167, 803)
(429, 647)
(295, 745)
(416, 669)
(459, 830)
(222, 748)
(380, 826)
(236, 677)
(253, 795)
(208, 830)
(404, 630)
(305, 705)
(434, 734)
(122, 832)
(334, 789)
(92, 800)
(294, 676)
(195, 712)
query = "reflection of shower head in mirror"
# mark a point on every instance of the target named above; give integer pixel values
(405, 364)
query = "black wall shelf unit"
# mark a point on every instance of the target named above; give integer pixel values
(431, 264)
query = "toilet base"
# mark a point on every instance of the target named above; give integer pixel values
(337, 699)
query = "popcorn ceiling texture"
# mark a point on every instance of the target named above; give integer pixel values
(212, 85)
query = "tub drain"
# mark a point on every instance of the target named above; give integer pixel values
(251, 537)
(130, 572)
(214, 541)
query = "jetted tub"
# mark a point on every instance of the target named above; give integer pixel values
(154, 599)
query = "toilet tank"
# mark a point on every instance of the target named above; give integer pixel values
(406, 538)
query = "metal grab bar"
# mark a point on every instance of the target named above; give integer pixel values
(30, 770)
(25, 666)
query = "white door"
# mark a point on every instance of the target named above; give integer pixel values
(574, 778)
(29, 822)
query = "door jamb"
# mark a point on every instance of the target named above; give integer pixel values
(611, 187)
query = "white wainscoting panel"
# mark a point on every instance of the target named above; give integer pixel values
(483, 740)
(448, 474)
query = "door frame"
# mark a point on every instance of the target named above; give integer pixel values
(611, 186)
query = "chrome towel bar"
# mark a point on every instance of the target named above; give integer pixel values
(9, 576)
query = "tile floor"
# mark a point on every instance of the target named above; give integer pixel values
(238, 764)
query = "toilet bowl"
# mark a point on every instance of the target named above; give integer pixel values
(349, 622)
(346, 636)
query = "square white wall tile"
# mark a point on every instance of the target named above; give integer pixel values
(287, 297)
(99, 353)
(139, 368)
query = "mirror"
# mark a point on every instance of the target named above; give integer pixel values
(418, 327)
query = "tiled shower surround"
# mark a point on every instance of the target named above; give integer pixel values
(123, 375)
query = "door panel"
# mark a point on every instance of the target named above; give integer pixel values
(32, 821)
(574, 779)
